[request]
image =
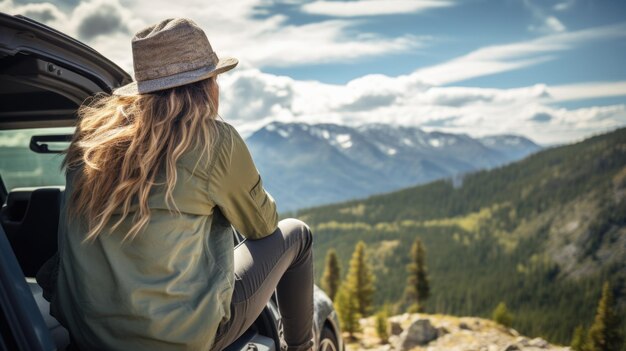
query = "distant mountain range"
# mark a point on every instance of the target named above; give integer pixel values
(305, 165)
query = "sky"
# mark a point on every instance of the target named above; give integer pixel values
(551, 70)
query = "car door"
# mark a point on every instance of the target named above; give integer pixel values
(21, 324)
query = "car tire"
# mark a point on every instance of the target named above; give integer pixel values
(328, 340)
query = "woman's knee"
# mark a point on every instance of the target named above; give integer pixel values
(293, 226)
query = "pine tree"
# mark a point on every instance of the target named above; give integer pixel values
(580, 339)
(417, 285)
(382, 325)
(348, 311)
(360, 279)
(605, 333)
(332, 274)
(502, 315)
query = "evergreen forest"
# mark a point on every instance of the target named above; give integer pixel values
(541, 235)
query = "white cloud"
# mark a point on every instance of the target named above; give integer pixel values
(320, 42)
(544, 23)
(588, 90)
(271, 41)
(471, 67)
(564, 6)
(86, 21)
(105, 25)
(43, 12)
(101, 18)
(507, 57)
(372, 7)
(251, 99)
(549, 24)
(554, 24)
(233, 27)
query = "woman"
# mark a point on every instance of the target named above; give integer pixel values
(154, 183)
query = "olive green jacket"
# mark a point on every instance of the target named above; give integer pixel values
(171, 286)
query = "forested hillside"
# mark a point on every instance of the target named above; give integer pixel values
(540, 235)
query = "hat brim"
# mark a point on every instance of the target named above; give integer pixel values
(176, 80)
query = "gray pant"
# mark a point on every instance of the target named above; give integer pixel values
(281, 261)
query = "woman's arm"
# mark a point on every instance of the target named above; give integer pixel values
(237, 189)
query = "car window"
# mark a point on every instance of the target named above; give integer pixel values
(22, 167)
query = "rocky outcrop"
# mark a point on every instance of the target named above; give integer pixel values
(420, 332)
(426, 332)
(396, 328)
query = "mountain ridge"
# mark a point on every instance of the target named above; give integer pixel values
(305, 165)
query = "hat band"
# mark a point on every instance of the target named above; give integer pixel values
(178, 67)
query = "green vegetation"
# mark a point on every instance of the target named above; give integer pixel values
(382, 326)
(354, 298)
(605, 333)
(502, 316)
(580, 340)
(332, 274)
(347, 308)
(417, 286)
(360, 280)
(542, 234)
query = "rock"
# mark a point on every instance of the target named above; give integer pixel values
(522, 340)
(420, 332)
(513, 332)
(396, 328)
(538, 342)
(511, 347)
(464, 325)
(441, 331)
(405, 316)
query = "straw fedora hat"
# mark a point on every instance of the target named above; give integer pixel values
(172, 53)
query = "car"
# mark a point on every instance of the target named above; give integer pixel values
(45, 75)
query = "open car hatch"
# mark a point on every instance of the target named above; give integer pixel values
(45, 75)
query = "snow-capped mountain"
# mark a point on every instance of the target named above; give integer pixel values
(305, 165)
(514, 146)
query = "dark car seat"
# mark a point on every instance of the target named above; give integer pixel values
(30, 219)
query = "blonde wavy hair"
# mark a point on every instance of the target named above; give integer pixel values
(122, 143)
